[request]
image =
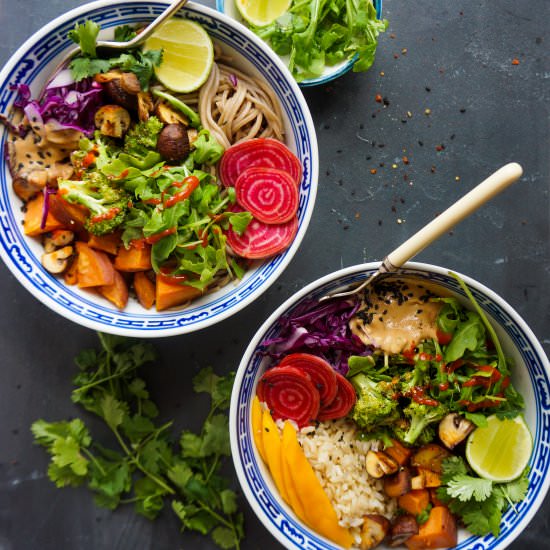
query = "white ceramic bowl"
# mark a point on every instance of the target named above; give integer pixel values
(330, 73)
(33, 63)
(531, 376)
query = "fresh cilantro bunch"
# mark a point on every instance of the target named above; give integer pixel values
(88, 64)
(146, 469)
(479, 502)
(319, 33)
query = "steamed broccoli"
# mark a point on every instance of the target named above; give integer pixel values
(107, 204)
(142, 138)
(420, 417)
(375, 404)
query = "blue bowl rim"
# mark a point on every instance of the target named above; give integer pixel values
(337, 73)
(293, 527)
(85, 311)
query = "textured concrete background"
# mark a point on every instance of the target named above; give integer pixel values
(451, 57)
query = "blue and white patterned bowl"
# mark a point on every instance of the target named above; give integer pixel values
(330, 73)
(33, 63)
(531, 377)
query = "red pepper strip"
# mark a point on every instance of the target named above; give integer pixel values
(417, 394)
(109, 215)
(451, 367)
(154, 200)
(192, 183)
(152, 239)
(471, 406)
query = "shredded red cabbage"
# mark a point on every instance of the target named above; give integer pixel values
(47, 191)
(320, 329)
(71, 104)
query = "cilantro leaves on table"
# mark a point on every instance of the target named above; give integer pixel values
(88, 64)
(147, 469)
(479, 502)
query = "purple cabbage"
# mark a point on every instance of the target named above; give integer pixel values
(321, 329)
(70, 104)
(47, 191)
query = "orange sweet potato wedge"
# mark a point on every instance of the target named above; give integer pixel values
(94, 267)
(33, 218)
(117, 292)
(145, 289)
(438, 532)
(134, 258)
(106, 243)
(169, 294)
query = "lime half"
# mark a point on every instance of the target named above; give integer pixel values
(500, 451)
(261, 12)
(188, 54)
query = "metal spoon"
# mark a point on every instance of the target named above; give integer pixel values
(138, 40)
(469, 203)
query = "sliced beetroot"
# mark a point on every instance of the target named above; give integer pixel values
(342, 403)
(269, 194)
(265, 152)
(289, 394)
(320, 371)
(261, 240)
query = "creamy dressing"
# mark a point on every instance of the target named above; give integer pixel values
(396, 314)
(43, 155)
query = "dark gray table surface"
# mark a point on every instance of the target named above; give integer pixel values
(451, 57)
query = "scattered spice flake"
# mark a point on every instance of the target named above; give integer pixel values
(382, 73)
(395, 56)
(515, 61)
(409, 114)
(394, 166)
(432, 169)
(428, 89)
(463, 110)
(378, 98)
(357, 215)
(400, 221)
(440, 147)
(405, 160)
(392, 36)
(404, 51)
(427, 112)
(457, 178)
(373, 171)
(386, 102)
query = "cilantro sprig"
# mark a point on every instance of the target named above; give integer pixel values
(146, 469)
(89, 64)
(479, 502)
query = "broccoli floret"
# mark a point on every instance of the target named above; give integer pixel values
(420, 417)
(107, 204)
(142, 138)
(375, 404)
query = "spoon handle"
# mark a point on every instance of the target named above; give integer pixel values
(147, 31)
(487, 189)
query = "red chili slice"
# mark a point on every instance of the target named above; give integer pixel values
(322, 374)
(261, 240)
(270, 195)
(289, 394)
(342, 403)
(265, 152)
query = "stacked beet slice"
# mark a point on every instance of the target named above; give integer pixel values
(304, 388)
(266, 176)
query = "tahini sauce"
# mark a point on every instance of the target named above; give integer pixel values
(396, 314)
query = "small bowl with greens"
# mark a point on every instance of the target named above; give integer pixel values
(318, 43)
(413, 415)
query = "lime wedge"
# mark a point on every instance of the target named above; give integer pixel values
(500, 451)
(261, 12)
(188, 55)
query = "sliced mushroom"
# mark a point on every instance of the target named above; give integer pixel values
(379, 464)
(112, 120)
(430, 456)
(166, 114)
(119, 95)
(418, 482)
(454, 429)
(374, 530)
(403, 528)
(192, 135)
(129, 83)
(145, 105)
(57, 239)
(173, 143)
(25, 189)
(57, 261)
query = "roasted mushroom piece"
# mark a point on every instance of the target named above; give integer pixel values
(57, 239)
(145, 106)
(58, 260)
(173, 143)
(166, 114)
(403, 528)
(454, 429)
(25, 189)
(374, 530)
(112, 120)
(379, 464)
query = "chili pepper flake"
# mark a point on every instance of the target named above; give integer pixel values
(373, 171)
(440, 147)
(378, 98)
(405, 160)
(515, 61)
